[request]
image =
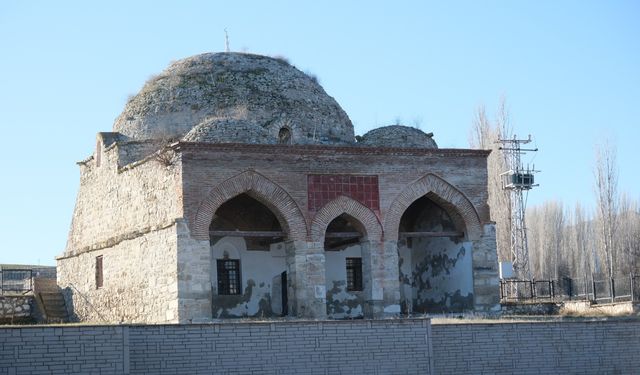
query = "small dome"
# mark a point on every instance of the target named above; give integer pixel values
(398, 136)
(228, 131)
(252, 89)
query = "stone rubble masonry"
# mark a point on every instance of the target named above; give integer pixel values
(227, 97)
(15, 307)
(393, 346)
(282, 347)
(140, 281)
(115, 204)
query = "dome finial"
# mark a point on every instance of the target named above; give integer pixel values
(226, 40)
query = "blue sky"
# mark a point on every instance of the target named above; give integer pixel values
(570, 72)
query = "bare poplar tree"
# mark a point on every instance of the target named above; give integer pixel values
(582, 243)
(606, 186)
(484, 135)
(628, 236)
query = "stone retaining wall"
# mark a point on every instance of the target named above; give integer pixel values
(15, 307)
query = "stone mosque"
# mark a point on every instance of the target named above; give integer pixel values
(233, 186)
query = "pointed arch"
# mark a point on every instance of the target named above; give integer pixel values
(345, 205)
(444, 194)
(260, 188)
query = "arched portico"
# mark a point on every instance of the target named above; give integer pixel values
(263, 190)
(349, 236)
(431, 227)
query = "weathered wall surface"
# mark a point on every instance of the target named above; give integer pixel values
(436, 272)
(436, 276)
(302, 347)
(604, 347)
(140, 281)
(257, 271)
(342, 303)
(115, 204)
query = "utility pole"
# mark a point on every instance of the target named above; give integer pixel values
(517, 180)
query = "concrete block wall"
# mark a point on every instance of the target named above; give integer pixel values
(305, 347)
(395, 346)
(586, 347)
(297, 347)
(63, 350)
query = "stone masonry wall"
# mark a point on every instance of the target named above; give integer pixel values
(587, 347)
(139, 276)
(118, 203)
(15, 307)
(295, 347)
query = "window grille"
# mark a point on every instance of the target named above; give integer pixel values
(354, 274)
(229, 277)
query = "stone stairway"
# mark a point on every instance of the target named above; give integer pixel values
(50, 300)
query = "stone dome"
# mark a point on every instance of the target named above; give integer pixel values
(398, 136)
(229, 131)
(247, 90)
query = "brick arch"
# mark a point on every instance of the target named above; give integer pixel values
(345, 205)
(260, 188)
(452, 200)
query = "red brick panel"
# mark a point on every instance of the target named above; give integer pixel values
(323, 188)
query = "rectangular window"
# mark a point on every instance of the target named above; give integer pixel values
(354, 274)
(229, 277)
(99, 276)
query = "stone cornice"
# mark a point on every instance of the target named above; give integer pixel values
(324, 149)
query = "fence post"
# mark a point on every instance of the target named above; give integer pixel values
(593, 284)
(586, 287)
(532, 287)
(633, 294)
(613, 290)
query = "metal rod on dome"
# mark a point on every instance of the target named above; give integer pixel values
(226, 40)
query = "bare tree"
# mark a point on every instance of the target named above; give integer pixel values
(484, 135)
(582, 244)
(628, 235)
(606, 186)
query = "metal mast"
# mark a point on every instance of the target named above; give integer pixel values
(516, 180)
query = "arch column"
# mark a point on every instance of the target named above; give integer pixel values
(306, 285)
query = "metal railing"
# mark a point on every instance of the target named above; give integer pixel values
(618, 289)
(16, 281)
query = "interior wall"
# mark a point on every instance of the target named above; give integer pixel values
(342, 304)
(436, 273)
(257, 272)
